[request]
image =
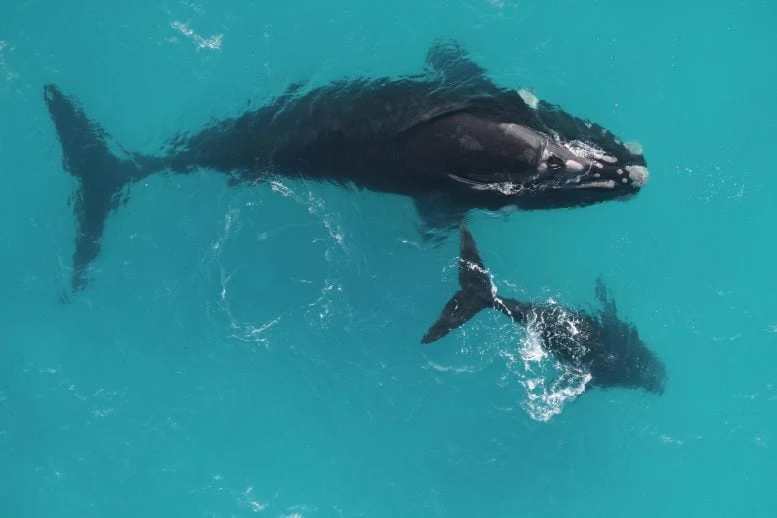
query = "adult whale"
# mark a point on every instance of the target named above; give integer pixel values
(447, 137)
(603, 345)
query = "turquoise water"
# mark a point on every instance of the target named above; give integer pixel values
(255, 351)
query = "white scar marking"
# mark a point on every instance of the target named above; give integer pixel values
(620, 171)
(609, 159)
(529, 98)
(470, 143)
(514, 130)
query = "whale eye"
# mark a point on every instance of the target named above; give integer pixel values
(554, 163)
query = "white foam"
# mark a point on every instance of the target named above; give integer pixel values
(6, 75)
(213, 42)
(458, 370)
(549, 384)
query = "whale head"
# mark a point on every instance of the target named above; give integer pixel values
(540, 159)
(579, 162)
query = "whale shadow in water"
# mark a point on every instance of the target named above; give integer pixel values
(600, 344)
(447, 137)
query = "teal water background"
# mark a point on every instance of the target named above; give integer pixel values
(254, 351)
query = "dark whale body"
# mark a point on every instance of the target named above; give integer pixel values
(602, 345)
(449, 138)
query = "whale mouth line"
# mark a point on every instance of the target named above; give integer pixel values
(513, 188)
(605, 184)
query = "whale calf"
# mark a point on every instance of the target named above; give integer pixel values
(602, 345)
(448, 137)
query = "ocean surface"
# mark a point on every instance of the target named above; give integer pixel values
(254, 351)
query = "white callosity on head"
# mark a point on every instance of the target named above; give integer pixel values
(573, 166)
(638, 174)
(589, 152)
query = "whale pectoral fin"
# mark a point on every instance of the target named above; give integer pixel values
(604, 295)
(438, 218)
(449, 58)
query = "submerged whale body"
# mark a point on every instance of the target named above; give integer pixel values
(448, 137)
(602, 345)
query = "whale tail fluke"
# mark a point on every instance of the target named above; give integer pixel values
(474, 295)
(103, 170)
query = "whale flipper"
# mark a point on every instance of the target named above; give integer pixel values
(449, 58)
(103, 170)
(438, 217)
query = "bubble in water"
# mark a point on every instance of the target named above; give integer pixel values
(549, 384)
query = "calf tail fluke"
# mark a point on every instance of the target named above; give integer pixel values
(474, 295)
